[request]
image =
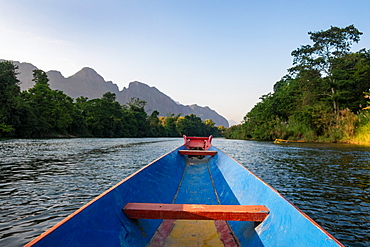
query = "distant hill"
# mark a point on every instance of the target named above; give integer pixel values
(232, 122)
(88, 83)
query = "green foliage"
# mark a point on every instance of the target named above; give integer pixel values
(327, 45)
(351, 74)
(43, 112)
(9, 98)
(191, 125)
(6, 128)
(54, 109)
(169, 124)
(362, 132)
(236, 132)
(319, 98)
(155, 126)
(138, 118)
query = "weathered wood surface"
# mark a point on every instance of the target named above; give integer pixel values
(197, 152)
(255, 213)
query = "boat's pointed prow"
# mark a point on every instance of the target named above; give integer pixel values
(200, 143)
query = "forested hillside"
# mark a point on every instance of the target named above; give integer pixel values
(89, 83)
(43, 112)
(322, 98)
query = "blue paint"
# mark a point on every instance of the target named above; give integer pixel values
(104, 224)
(285, 225)
(243, 230)
(196, 186)
(177, 179)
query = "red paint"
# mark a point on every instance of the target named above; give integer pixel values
(203, 143)
(164, 230)
(162, 233)
(255, 213)
(226, 235)
(197, 152)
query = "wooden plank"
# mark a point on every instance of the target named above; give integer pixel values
(197, 152)
(255, 213)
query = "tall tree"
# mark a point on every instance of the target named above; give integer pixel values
(351, 74)
(327, 46)
(170, 123)
(156, 129)
(39, 98)
(104, 117)
(325, 80)
(9, 97)
(52, 108)
(138, 118)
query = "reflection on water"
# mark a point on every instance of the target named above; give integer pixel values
(42, 181)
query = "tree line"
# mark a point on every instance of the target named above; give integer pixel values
(42, 112)
(322, 98)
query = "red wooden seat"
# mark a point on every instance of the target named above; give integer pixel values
(255, 213)
(197, 152)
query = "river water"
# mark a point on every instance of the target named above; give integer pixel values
(42, 181)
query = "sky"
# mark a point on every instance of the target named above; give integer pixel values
(220, 54)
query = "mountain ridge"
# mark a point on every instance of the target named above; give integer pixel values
(88, 83)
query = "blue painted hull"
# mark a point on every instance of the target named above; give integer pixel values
(174, 178)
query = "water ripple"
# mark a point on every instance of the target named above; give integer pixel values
(329, 182)
(43, 181)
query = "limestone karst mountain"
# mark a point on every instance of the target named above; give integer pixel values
(87, 82)
(156, 100)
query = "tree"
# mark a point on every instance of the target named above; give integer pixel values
(285, 97)
(191, 125)
(352, 76)
(9, 98)
(52, 108)
(170, 125)
(104, 117)
(260, 121)
(135, 104)
(137, 118)
(320, 94)
(39, 98)
(63, 111)
(109, 97)
(210, 128)
(156, 129)
(328, 46)
(78, 126)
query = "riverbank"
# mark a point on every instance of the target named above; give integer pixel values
(362, 136)
(367, 144)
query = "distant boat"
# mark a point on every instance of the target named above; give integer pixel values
(286, 141)
(195, 195)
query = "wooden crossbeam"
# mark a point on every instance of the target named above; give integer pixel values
(197, 152)
(255, 213)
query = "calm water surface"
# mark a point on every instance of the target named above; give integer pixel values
(43, 181)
